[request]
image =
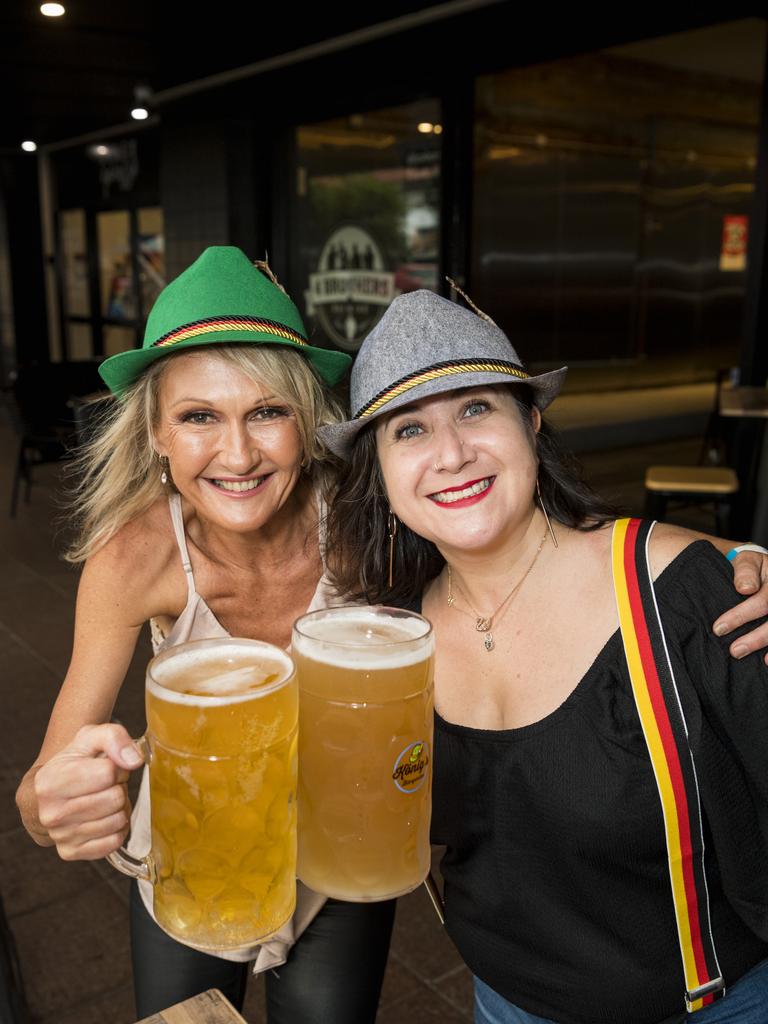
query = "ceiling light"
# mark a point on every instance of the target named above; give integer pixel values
(438, 129)
(142, 98)
(52, 10)
(425, 127)
(29, 146)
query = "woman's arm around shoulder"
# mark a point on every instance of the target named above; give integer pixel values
(74, 795)
(750, 577)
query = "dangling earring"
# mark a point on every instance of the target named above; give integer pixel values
(546, 515)
(164, 466)
(392, 530)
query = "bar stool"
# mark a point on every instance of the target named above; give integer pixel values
(689, 485)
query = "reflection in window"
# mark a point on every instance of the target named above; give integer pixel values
(118, 299)
(74, 263)
(365, 217)
(151, 255)
(79, 340)
(611, 200)
(118, 339)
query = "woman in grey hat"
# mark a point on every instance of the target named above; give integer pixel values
(601, 792)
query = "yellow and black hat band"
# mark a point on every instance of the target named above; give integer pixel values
(213, 324)
(435, 372)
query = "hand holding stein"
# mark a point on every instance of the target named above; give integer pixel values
(221, 749)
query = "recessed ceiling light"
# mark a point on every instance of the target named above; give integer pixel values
(29, 146)
(139, 113)
(425, 127)
(438, 129)
(52, 10)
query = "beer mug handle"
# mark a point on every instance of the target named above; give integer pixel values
(135, 867)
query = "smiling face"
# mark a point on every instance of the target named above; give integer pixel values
(460, 468)
(234, 447)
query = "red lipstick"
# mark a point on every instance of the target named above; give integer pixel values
(471, 499)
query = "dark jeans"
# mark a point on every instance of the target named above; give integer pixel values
(333, 974)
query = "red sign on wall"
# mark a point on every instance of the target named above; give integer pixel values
(733, 248)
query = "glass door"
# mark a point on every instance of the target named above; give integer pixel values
(112, 269)
(364, 217)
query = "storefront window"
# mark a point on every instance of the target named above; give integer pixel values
(365, 220)
(118, 298)
(151, 255)
(79, 340)
(74, 262)
(611, 201)
(117, 339)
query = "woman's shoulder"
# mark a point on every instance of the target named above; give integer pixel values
(138, 556)
(673, 546)
(673, 550)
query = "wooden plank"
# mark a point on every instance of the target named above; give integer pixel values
(209, 1007)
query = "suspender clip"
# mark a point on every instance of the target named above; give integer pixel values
(715, 988)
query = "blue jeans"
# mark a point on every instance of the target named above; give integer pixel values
(746, 1002)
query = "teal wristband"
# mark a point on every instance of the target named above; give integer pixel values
(746, 547)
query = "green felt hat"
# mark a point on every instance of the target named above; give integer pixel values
(222, 299)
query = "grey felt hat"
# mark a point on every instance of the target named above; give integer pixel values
(424, 345)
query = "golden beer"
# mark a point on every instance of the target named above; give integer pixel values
(221, 731)
(365, 751)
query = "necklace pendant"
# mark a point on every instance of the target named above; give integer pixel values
(488, 641)
(482, 625)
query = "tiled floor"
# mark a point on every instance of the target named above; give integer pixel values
(70, 919)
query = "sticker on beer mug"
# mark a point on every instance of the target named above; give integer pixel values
(410, 769)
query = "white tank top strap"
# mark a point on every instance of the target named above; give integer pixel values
(177, 519)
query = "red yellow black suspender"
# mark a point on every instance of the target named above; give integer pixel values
(666, 736)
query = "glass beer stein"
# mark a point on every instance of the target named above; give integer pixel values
(365, 750)
(221, 749)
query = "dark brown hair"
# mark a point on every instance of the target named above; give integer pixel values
(358, 529)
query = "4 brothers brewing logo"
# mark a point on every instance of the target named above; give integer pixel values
(351, 288)
(411, 767)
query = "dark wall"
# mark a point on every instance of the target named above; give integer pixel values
(214, 183)
(20, 199)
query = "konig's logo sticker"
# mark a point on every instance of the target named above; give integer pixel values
(411, 767)
(351, 288)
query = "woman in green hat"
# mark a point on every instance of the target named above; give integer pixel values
(200, 508)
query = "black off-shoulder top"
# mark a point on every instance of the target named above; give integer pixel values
(556, 878)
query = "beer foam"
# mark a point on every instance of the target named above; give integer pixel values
(361, 639)
(240, 674)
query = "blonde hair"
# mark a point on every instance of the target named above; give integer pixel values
(117, 471)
